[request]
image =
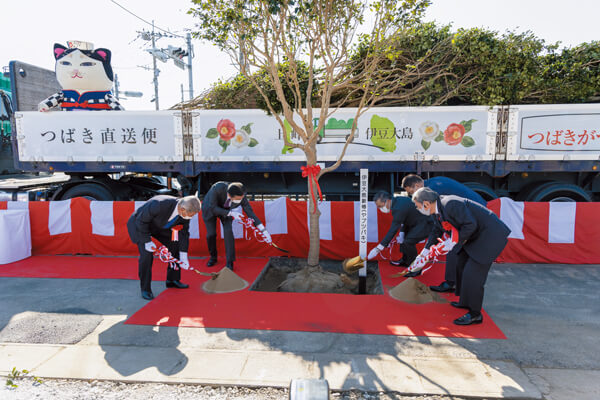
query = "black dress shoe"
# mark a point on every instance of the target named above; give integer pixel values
(399, 263)
(147, 295)
(211, 262)
(413, 274)
(458, 305)
(469, 319)
(230, 266)
(177, 285)
(443, 287)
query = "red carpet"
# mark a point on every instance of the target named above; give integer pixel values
(80, 267)
(311, 312)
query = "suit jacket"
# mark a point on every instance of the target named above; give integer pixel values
(214, 203)
(405, 213)
(480, 232)
(153, 216)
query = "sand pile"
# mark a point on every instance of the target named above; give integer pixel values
(226, 281)
(413, 291)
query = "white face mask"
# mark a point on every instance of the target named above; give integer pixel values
(384, 210)
(180, 211)
(424, 211)
(233, 203)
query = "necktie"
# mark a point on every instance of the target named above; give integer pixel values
(171, 222)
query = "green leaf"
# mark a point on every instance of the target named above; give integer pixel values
(224, 144)
(467, 141)
(212, 133)
(467, 124)
(425, 144)
(439, 137)
(246, 128)
(253, 142)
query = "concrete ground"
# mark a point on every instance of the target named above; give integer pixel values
(67, 328)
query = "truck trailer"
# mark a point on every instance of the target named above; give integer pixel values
(526, 152)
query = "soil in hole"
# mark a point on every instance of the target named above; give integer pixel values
(283, 274)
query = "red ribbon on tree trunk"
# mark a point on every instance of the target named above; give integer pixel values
(311, 171)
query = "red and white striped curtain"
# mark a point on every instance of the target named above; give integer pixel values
(541, 232)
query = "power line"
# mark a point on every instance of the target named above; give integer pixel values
(143, 20)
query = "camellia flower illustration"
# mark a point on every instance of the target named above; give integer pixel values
(226, 129)
(429, 130)
(453, 134)
(241, 139)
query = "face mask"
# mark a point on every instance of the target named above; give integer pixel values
(186, 217)
(235, 204)
(424, 211)
(384, 210)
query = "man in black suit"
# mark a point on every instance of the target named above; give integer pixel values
(158, 218)
(443, 186)
(220, 202)
(481, 238)
(413, 226)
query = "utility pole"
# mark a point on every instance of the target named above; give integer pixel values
(116, 86)
(156, 72)
(189, 50)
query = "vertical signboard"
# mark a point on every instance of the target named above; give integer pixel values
(362, 249)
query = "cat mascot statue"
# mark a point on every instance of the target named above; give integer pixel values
(86, 78)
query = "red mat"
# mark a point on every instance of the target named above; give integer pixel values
(311, 312)
(80, 267)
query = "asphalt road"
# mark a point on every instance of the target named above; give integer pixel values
(549, 313)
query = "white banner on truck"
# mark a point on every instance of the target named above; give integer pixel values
(382, 134)
(553, 132)
(128, 136)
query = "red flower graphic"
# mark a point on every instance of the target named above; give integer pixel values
(226, 129)
(453, 134)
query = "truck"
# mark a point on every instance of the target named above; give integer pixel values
(526, 152)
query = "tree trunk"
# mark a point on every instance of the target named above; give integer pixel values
(313, 229)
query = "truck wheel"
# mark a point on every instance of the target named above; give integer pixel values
(90, 191)
(557, 191)
(484, 191)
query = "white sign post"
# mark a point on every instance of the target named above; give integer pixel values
(362, 249)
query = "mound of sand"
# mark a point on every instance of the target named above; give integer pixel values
(226, 281)
(413, 291)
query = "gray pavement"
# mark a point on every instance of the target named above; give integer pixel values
(67, 328)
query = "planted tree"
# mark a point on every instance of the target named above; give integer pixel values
(297, 43)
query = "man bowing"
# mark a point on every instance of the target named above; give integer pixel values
(481, 238)
(167, 219)
(220, 202)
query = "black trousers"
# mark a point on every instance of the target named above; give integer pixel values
(470, 281)
(146, 258)
(411, 238)
(211, 237)
(451, 260)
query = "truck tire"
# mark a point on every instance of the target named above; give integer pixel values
(558, 191)
(484, 191)
(89, 191)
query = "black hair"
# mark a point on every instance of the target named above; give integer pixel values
(236, 189)
(382, 195)
(411, 180)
